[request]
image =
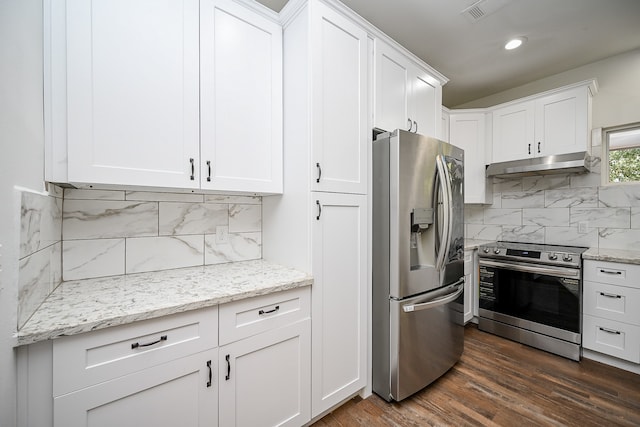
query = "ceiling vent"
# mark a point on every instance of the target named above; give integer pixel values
(482, 8)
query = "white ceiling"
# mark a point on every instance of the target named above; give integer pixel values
(562, 34)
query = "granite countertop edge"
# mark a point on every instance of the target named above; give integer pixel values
(205, 288)
(612, 255)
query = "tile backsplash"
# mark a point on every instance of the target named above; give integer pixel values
(549, 209)
(121, 232)
(40, 264)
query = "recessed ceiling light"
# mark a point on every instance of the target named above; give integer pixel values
(515, 43)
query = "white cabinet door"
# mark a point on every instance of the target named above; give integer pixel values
(339, 296)
(562, 122)
(513, 132)
(445, 124)
(132, 92)
(182, 393)
(392, 88)
(426, 103)
(406, 96)
(241, 99)
(467, 131)
(339, 103)
(265, 379)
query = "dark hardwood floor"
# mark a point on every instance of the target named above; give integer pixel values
(498, 382)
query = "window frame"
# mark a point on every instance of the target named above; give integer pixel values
(605, 169)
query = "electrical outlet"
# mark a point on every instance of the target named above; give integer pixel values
(222, 234)
(583, 227)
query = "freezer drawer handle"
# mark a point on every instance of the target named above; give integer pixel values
(610, 295)
(435, 303)
(138, 345)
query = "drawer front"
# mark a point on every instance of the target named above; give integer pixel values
(251, 316)
(87, 359)
(613, 273)
(610, 337)
(612, 302)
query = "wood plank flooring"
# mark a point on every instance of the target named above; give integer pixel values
(498, 382)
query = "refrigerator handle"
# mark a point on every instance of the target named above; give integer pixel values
(445, 182)
(437, 302)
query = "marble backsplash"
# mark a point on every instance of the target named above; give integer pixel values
(549, 209)
(107, 233)
(40, 263)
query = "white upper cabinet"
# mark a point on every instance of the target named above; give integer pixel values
(557, 122)
(132, 92)
(406, 96)
(338, 102)
(468, 131)
(241, 99)
(136, 91)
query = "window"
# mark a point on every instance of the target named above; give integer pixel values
(623, 146)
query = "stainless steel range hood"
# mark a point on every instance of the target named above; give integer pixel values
(562, 163)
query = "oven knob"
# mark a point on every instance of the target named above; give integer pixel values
(567, 258)
(553, 256)
(496, 251)
(486, 250)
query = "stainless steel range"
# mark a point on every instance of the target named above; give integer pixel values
(532, 294)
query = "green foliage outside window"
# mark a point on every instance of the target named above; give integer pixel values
(624, 165)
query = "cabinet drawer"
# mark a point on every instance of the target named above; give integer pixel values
(91, 358)
(610, 337)
(244, 318)
(613, 273)
(612, 302)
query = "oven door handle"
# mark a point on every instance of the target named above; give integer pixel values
(570, 273)
(436, 302)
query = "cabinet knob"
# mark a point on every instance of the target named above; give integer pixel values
(319, 172)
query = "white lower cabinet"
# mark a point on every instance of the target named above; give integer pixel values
(169, 371)
(611, 309)
(470, 284)
(182, 393)
(339, 240)
(265, 379)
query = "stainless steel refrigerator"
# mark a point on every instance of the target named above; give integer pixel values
(418, 261)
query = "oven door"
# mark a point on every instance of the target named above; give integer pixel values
(540, 298)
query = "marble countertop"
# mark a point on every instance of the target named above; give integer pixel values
(86, 305)
(612, 255)
(475, 243)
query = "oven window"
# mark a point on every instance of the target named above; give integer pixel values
(539, 298)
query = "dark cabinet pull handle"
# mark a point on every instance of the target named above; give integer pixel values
(319, 172)
(415, 123)
(193, 169)
(610, 331)
(209, 167)
(529, 148)
(610, 295)
(319, 209)
(261, 312)
(228, 368)
(210, 373)
(137, 344)
(610, 272)
(410, 124)
(538, 147)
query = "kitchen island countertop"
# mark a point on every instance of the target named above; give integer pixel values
(612, 255)
(86, 305)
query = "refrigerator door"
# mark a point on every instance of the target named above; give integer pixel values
(424, 201)
(426, 339)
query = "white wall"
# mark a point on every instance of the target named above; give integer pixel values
(21, 164)
(618, 98)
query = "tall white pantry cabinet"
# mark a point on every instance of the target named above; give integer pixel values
(320, 224)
